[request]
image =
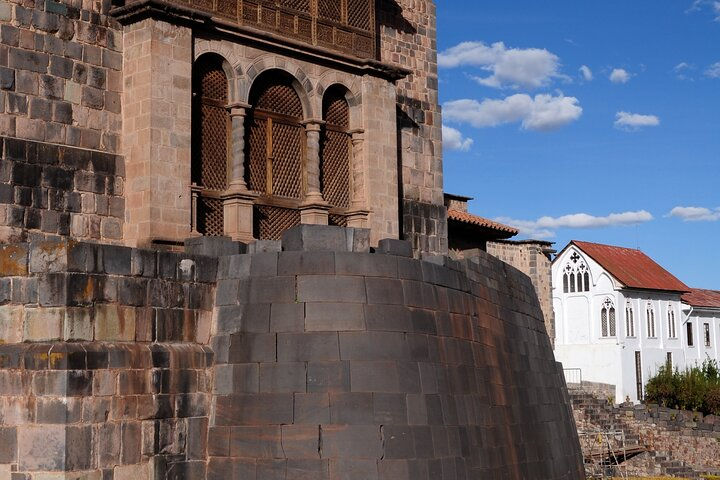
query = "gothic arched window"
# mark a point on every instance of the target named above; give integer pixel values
(335, 151)
(672, 332)
(650, 317)
(210, 128)
(275, 154)
(629, 321)
(608, 324)
(576, 275)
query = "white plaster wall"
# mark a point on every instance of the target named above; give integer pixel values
(599, 363)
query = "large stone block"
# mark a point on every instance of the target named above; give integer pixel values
(13, 260)
(42, 447)
(114, 323)
(11, 323)
(314, 238)
(43, 324)
(364, 441)
(213, 246)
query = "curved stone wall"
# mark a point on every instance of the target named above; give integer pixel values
(369, 366)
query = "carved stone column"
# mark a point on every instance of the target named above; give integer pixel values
(313, 209)
(358, 212)
(238, 200)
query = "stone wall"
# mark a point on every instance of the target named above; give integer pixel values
(338, 364)
(60, 73)
(102, 371)
(51, 191)
(533, 259)
(319, 361)
(682, 435)
(672, 439)
(408, 39)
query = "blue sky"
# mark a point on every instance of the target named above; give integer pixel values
(595, 121)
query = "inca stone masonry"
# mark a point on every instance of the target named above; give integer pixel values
(223, 255)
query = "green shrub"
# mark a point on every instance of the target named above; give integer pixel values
(696, 388)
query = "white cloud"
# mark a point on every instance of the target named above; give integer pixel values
(620, 75)
(634, 121)
(541, 113)
(700, 4)
(586, 73)
(713, 71)
(545, 227)
(681, 69)
(510, 67)
(696, 214)
(454, 140)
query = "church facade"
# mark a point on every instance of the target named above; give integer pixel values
(620, 316)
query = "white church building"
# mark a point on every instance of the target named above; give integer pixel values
(620, 316)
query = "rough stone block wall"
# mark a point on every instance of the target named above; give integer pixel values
(669, 435)
(53, 191)
(531, 259)
(322, 361)
(338, 365)
(408, 39)
(102, 371)
(60, 73)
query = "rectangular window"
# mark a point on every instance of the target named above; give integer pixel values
(689, 334)
(706, 331)
(668, 360)
(638, 376)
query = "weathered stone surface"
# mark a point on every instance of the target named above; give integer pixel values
(314, 238)
(369, 376)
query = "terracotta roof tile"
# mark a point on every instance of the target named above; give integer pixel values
(632, 267)
(465, 217)
(702, 298)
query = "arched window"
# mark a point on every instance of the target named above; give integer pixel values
(629, 321)
(650, 316)
(210, 127)
(576, 275)
(608, 324)
(672, 333)
(335, 154)
(275, 147)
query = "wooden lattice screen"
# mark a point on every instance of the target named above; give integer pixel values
(347, 26)
(335, 153)
(211, 123)
(276, 147)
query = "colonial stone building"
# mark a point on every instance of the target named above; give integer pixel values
(221, 118)
(223, 255)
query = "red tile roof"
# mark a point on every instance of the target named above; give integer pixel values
(465, 217)
(702, 298)
(632, 267)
